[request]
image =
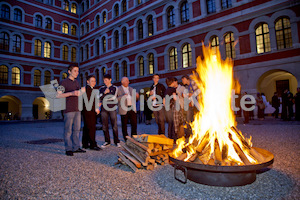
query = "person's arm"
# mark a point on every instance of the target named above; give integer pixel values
(113, 92)
(68, 94)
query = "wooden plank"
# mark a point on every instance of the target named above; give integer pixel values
(128, 162)
(129, 139)
(158, 139)
(132, 159)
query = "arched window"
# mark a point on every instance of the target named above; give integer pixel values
(116, 36)
(97, 49)
(66, 5)
(226, 4)
(150, 26)
(37, 78)
(48, 23)
(87, 51)
(104, 17)
(173, 58)
(141, 66)
(3, 74)
(15, 76)
(140, 29)
(37, 48)
(5, 12)
(103, 44)
(87, 27)
(73, 54)
(97, 76)
(138, 2)
(64, 76)
(171, 17)
(47, 50)
(262, 38)
(186, 55)
(117, 72)
(73, 30)
(82, 29)
(4, 41)
(124, 66)
(124, 36)
(65, 28)
(82, 7)
(184, 12)
(65, 52)
(116, 9)
(124, 6)
(283, 33)
(86, 75)
(81, 80)
(38, 21)
(81, 53)
(214, 41)
(97, 20)
(211, 6)
(18, 15)
(103, 71)
(16, 43)
(47, 77)
(74, 8)
(229, 45)
(151, 63)
(49, 2)
(87, 4)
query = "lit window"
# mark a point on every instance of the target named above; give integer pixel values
(5, 12)
(64, 75)
(150, 26)
(65, 28)
(4, 41)
(37, 48)
(65, 52)
(37, 78)
(73, 54)
(214, 44)
(138, 2)
(16, 43)
(262, 38)
(104, 44)
(98, 20)
(229, 45)
(74, 8)
(151, 63)
(116, 9)
(283, 33)
(124, 6)
(184, 12)
(173, 58)
(73, 30)
(15, 76)
(47, 77)
(66, 5)
(171, 17)
(141, 65)
(3, 74)
(18, 15)
(47, 50)
(103, 71)
(186, 55)
(104, 17)
(124, 66)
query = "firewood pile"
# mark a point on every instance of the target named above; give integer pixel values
(145, 151)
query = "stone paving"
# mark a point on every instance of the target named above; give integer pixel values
(35, 168)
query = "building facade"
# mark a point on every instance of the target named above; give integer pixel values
(139, 38)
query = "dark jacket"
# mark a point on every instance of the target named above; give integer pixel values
(160, 89)
(89, 91)
(112, 91)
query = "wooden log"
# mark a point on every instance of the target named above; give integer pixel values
(211, 161)
(217, 153)
(130, 140)
(224, 152)
(138, 150)
(128, 162)
(150, 167)
(140, 159)
(260, 158)
(157, 153)
(193, 157)
(239, 151)
(158, 139)
(203, 143)
(182, 156)
(132, 159)
(241, 137)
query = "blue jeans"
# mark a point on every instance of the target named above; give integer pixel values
(72, 121)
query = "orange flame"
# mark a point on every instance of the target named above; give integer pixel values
(213, 125)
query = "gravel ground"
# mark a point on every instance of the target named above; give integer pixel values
(32, 171)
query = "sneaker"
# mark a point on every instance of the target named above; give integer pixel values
(118, 145)
(69, 153)
(79, 151)
(106, 144)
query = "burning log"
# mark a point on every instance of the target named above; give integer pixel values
(240, 137)
(257, 155)
(182, 156)
(193, 157)
(217, 153)
(203, 142)
(239, 151)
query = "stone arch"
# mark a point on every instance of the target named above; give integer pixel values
(40, 106)
(10, 104)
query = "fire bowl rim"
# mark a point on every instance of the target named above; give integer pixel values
(215, 168)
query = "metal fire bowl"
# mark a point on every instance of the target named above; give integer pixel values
(226, 176)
